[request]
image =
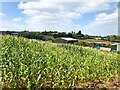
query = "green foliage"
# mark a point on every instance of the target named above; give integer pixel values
(34, 64)
(91, 44)
(55, 34)
(47, 38)
(81, 43)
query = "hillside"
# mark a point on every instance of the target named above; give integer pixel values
(28, 63)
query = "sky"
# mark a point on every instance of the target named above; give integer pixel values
(93, 18)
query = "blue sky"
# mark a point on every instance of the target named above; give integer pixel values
(94, 18)
(10, 9)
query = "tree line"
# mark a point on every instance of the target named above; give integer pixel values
(51, 35)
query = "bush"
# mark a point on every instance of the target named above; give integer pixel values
(81, 43)
(47, 38)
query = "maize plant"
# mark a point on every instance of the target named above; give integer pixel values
(29, 63)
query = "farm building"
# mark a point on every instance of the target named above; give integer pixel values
(65, 40)
(116, 41)
(115, 47)
(14, 33)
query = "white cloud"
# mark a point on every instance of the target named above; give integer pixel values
(73, 15)
(100, 16)
(54, 15)
(59, 0)
(12, 26)
(2, 14)
(62, 9)
(92, 7)
(48, 15)
(7, 25)
(104, 24)
(17, 19)
(79, 0)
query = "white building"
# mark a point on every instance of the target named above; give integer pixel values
(65, 40)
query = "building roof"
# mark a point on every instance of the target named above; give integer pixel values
(68, 39)
(14, 33)
(118, 41)
(115, 44)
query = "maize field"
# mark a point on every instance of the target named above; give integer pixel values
(29, 63)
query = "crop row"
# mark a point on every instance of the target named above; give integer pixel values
(28, 63)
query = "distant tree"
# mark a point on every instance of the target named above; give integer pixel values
(72, 32)
(45, 33)
(63, 34)
(79, 32)
(70, 35)
(47, 38)
(118, 37)
(25, 31)
(113, 37)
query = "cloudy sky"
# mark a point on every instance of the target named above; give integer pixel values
(93, 18)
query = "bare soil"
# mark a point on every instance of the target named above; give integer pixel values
(101, 84)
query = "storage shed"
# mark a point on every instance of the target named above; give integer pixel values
(116, 41)
(14, 33)
(115, 47)
(65, 40)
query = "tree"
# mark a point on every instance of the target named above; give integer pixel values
(72, 32)
(69, 35)
(113, 37)
(79, 32)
